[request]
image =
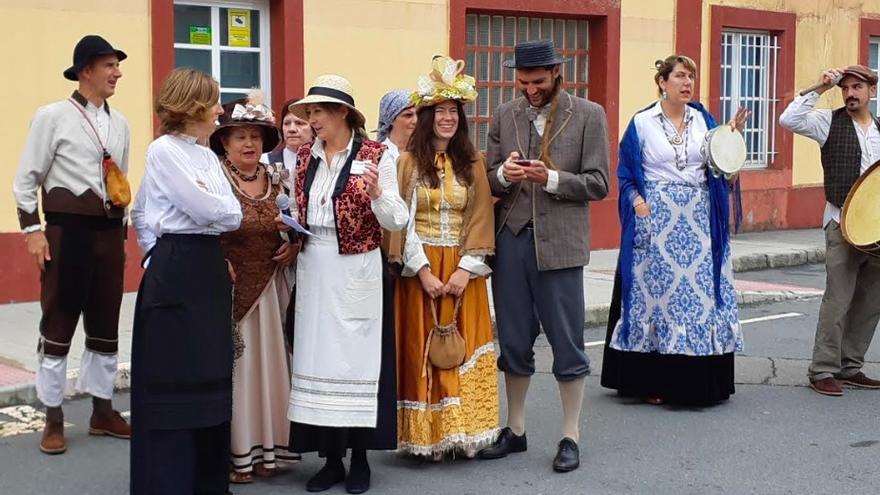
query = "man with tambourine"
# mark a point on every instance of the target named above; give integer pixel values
(850, 141)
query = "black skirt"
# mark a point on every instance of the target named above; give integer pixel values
(334, 441)
(677, 379)
(181, 363)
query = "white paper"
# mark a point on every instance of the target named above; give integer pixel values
(359, 167)
(291, 222)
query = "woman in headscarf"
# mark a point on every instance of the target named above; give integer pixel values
(397, 121)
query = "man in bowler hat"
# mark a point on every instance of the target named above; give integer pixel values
(81, 253)
(547, 158)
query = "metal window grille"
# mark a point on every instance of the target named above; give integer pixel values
(748, 79)
(874, 64)
(489, 42)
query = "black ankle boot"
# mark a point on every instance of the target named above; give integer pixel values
(332, 473)
(358, 480)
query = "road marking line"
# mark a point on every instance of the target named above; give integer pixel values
(597, 343)
(770, 318)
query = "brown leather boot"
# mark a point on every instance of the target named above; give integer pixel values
(53, 438)
(111, 424)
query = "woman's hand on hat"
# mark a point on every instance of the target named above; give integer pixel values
(371, 180)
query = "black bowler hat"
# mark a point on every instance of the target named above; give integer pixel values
(89, 48)
(532, 54)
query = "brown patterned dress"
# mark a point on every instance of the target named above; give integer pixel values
(261, 379)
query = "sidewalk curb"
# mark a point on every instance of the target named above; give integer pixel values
(25, 393)
(757, 261)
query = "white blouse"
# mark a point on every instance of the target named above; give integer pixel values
(389, 208)
(183, 191)
(658, 154)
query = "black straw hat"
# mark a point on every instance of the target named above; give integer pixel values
(536, 53)
(89, 48)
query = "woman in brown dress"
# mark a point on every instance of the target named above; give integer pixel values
(259, 256)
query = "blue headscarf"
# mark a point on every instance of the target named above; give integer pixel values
(391, 105)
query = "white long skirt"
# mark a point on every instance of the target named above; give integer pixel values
(260, 431)
(337, 335)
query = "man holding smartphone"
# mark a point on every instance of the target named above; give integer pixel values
(547, 158)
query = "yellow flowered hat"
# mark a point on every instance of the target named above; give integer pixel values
(446, 81)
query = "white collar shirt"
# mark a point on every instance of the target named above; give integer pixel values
(184, 191)
(659, 154)
(801, 117)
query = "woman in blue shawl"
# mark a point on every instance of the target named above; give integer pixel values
(673, 327)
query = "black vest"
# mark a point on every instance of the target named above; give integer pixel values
(841, 157)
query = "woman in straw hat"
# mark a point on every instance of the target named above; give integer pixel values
(343, 382)
(443, 410)
(181, 350)
(260, 257)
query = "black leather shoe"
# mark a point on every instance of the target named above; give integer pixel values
(506, 443)
(332, 473)
(358, 480)
(568, 457)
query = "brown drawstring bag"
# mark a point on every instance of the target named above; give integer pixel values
(445, 347)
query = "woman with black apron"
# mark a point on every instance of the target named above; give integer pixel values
(182, 344)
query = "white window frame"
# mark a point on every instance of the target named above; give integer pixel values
(874, 64)
(760, 132)
(264, 49)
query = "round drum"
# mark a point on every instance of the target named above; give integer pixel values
(724, 151)
(860, 220)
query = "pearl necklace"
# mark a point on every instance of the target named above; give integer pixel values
(678, 141)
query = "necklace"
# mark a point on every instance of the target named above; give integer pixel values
(678, 141)
(239, 173)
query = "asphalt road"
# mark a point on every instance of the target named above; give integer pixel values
(774, 436)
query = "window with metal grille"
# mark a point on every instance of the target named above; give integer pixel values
(490, 41)
(228, 39)
(748, 79)
(874, 64)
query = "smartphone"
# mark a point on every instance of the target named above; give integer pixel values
(523, 163)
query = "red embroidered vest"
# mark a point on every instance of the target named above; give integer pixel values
(357, 229)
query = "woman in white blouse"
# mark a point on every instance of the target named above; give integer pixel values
(673, 328)
(182, 345)
(343, 370)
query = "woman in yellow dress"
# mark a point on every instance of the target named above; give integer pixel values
(442, 250)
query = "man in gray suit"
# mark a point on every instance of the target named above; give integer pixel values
(547, 158)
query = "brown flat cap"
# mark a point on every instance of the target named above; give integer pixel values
(861, 72)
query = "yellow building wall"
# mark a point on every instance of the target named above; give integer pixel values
(379, 46)
(40, 38)
(647, 33)
(827, 35)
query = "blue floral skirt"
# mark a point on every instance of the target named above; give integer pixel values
(672, 304)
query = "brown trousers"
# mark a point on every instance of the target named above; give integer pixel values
(850, 308)
(84, 276)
